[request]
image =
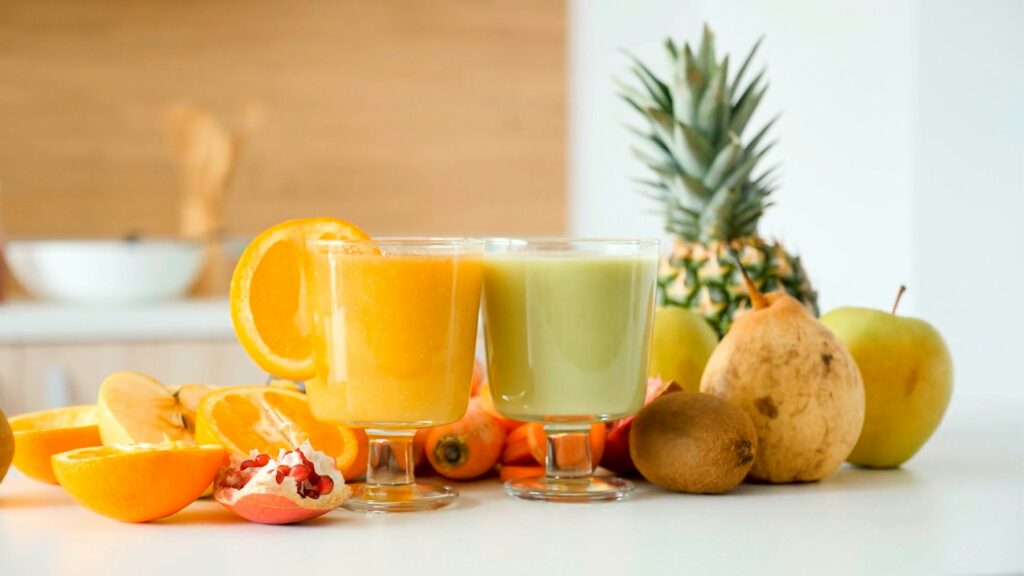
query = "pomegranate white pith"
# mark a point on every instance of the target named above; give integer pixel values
(297, 485)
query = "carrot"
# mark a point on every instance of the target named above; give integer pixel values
(538, 442)
(467, 448)
(487, 403)
(518, 434)
(517, 472)
(517, 448)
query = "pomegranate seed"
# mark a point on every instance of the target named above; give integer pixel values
(282, 471)
(325, 485)
(312, 494)
(247, 464)
(300, 473)
(262, 460)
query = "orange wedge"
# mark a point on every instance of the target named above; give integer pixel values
(138, 483)
(267, 294)
(269, 419)
(40, 435)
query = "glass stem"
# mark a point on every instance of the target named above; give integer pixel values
(568, 454)
(391, 458)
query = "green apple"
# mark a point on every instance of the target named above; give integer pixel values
(681, 346)
(908, 381)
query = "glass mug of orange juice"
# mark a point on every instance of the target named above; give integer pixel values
(394, 336)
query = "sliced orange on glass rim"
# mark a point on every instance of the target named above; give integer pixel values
(267, 293)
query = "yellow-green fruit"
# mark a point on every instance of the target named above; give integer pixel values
(908, 381)
(681, 346)
(6, 445)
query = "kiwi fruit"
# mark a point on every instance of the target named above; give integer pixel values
(693, 442)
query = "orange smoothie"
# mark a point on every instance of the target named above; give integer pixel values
(394, 337)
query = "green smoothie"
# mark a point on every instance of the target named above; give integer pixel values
(568, 333)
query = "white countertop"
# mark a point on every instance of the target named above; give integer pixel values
(957, 508)
(31, 322)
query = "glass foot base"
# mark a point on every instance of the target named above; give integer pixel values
(404, 498)
(588, 489)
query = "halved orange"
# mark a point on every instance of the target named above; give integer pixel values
(267, 294)
(138, 483)
(269, 419)
(40, 435)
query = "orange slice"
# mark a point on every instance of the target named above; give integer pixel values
(40, 435)
(138, 483)
(269, 419)
(267, 294)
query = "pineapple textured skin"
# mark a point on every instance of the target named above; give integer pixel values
(705, 279)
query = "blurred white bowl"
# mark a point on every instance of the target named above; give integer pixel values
(105, 272)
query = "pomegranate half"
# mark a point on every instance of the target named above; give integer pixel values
(297, 485)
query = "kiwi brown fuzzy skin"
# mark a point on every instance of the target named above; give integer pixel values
(694, 443)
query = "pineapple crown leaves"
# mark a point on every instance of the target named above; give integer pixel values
(703, 171)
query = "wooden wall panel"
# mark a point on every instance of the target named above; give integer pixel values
(407, 117)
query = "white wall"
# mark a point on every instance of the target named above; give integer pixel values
(969, 186)
(901, 143)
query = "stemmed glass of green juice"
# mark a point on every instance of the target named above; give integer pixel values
(568, 328)
(394, 336)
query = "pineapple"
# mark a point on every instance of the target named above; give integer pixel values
(706, 181)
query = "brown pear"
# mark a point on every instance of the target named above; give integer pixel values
(797, 382)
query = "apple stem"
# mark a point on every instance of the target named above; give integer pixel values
(899, 295)
(756, 298)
